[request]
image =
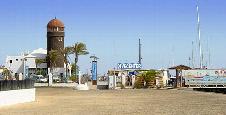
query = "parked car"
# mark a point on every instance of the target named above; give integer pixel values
(39, 78)
(56, 79)
(43, 80)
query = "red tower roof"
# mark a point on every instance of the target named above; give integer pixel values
(55, 23)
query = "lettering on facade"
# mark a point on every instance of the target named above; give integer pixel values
(129, 66)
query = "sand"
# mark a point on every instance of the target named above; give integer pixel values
(59, 101)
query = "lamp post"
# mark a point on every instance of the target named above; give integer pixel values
(24, 71)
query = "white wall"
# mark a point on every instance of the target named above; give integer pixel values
(165, 77)
(17, 64)
(16, 96)
(31, 63)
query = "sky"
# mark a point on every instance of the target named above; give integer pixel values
(111, 29)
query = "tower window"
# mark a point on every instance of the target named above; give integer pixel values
(16, 59)
(10, 61)
(60, 39)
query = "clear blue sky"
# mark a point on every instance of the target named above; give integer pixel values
(111, 29)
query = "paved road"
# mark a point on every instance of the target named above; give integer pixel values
(58, 101)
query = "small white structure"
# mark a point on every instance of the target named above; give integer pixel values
(50, 79)
(81, 86)
(123, 79)
(165, 77)
(133, 80)
(111, 82)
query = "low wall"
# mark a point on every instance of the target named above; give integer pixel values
(56, 85)
(6, 85)
(11, 97)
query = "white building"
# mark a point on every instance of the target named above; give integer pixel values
(26, 62)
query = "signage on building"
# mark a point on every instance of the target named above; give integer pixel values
(129, 66)
(204, 77)
(204, 72)
(94, 70)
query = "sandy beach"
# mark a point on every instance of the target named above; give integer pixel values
(58, 101)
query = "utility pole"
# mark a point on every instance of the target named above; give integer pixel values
(140, 58)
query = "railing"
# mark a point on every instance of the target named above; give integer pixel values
(6, 85)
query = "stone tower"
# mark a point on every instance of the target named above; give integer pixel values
(55, 41)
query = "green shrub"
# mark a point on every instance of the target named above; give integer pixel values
(122, 86)
(137, 85)
(73, 78)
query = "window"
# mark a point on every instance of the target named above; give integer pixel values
(16, 59)
(60, 39)
(10, 61)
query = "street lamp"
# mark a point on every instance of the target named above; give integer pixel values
(95, 58)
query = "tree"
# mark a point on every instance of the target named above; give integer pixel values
(7, 74)
(146, 79)
(150, 75)
(73, 68)
(78, 49)
(38, 62)
(52, 56)
(73, 77)
(66, 52)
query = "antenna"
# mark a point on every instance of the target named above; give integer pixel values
(199, 36)
(140, 58)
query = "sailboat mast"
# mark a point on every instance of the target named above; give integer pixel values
(192, 57)
(199, 36)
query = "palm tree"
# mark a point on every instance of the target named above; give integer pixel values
(66, 52)
(52, 57)
(78, 49)
(7, 74)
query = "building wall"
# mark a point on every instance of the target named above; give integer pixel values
(165, 77)
(31, 63)
(15, 64)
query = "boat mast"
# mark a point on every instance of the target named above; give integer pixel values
(199, 36)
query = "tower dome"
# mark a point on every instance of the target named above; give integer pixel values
(55, 23)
